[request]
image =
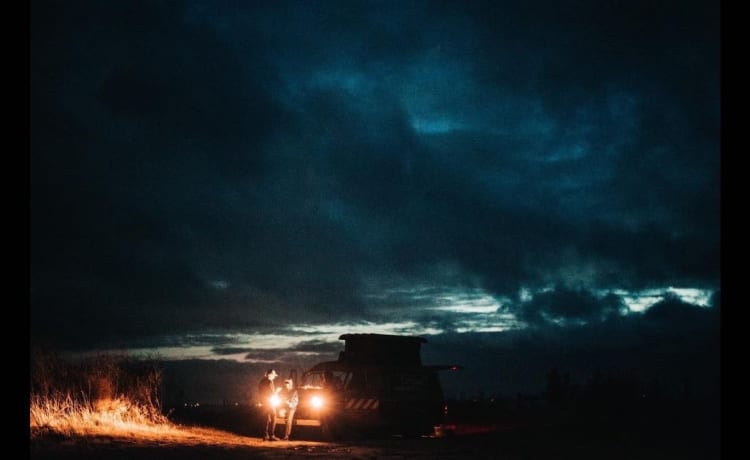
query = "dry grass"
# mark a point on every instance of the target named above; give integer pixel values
(104, 395)
(67, 416)
(110, 398)
(124, 424)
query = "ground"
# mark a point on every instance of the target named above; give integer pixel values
(232, 433)
(510, 445)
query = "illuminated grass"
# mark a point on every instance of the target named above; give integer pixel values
(67, 416)
(110, 397)
(102, 395)
(123, 420)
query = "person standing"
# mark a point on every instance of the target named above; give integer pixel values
(291, 399)
(266, 393)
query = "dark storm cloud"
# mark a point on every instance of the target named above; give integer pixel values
(318, 346)
(626, 84)
(289, 359)
(673, 314)
(566, 305)
(144, 125)
(229, 166)
(682, 353)
(230, 350)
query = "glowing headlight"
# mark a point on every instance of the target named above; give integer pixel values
(275, 400)
(316, 402)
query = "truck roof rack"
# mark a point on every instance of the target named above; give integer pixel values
(382, 349)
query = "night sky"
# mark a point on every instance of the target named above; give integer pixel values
(233, 184)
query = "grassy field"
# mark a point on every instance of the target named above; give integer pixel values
(109, 408)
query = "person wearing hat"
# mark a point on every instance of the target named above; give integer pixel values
(291, 399)
(266, 390)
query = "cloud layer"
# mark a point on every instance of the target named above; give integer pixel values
(482, 169)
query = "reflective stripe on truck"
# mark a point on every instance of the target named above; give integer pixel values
(362, 403)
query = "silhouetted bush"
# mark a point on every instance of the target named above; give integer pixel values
(96, 378)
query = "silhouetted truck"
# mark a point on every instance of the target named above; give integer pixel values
(378, 383)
